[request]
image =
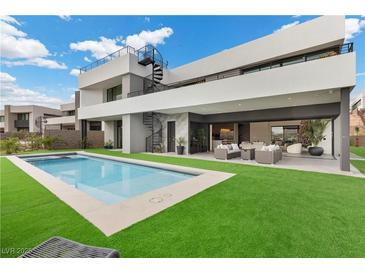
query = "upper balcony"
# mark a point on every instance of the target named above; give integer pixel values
(311, 56)
(125, 60)
(21, 123)
(61, 120)
(309, 82)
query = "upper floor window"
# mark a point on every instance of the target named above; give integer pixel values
(114, 93)
(2, 118)
(23, 116)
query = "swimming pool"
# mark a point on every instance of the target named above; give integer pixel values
(106, 180)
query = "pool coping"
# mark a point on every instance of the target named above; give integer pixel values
(113, 218)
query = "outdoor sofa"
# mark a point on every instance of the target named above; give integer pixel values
(225, 152)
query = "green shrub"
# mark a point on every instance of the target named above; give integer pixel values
(49, 141)
(10, 145)
(34, 141)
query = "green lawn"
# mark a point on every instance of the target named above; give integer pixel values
(360, 165)
(360, 151)
(260, 212)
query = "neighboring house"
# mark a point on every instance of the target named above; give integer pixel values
(66, 122)
(357, 115)
(69, 119)
(27, 118)
(257, 91)
(2, 121)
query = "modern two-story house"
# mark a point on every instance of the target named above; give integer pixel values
(257, 91)
(27, 118)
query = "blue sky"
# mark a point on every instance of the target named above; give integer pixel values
(39, 52)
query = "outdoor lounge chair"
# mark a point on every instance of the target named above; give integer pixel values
(58, 247)
(295, 148)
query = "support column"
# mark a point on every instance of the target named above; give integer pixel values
(345, 129)
(83, 133)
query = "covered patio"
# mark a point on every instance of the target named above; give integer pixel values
(323, 164)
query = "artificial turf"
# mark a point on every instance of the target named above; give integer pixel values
(359, 151)
(260, 212)
(359, 164)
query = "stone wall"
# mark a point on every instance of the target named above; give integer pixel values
(71, 138)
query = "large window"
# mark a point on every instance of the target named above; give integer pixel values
(114, 93)
(277, 134)
(23, 116)
(2, 118)
(284, 134)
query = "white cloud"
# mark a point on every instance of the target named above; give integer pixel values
(104, 46)
(39, 62)
(21, 50)
(9, 19)
(86, 59)
(353, 27)
(65, 17)
(360, 74)
(287, 26)
(11, 93)
(149, 37)
(6, 78)
(98, 49)
(75, 72)
(147, 19)
(7, 29)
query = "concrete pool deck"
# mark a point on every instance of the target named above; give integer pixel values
(113, 218)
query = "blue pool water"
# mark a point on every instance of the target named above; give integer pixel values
(106, 180)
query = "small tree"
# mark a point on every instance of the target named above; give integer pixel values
(303, 137)
(357, 132)
(180, 141)
(315, 130)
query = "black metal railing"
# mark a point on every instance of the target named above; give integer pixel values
(140, 53)
(108, 58)
(307, 57)
(150, 51)
(21, 123)
(148, 87)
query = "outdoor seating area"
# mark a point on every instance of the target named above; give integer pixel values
(258, 151)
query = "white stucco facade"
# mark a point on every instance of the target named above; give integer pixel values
(305, 65)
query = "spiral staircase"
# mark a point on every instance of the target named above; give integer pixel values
(149, 55)
(153, 123)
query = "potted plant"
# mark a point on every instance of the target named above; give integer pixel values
(357, 131)
(108, 145)
(314, 132)
(180, 145)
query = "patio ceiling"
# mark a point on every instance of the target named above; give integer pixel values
(281, 101)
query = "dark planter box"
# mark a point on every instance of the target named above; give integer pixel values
(180, 150)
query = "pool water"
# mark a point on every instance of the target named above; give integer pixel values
(106, 180)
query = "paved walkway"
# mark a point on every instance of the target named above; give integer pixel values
(331, 166)
(356, 157)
